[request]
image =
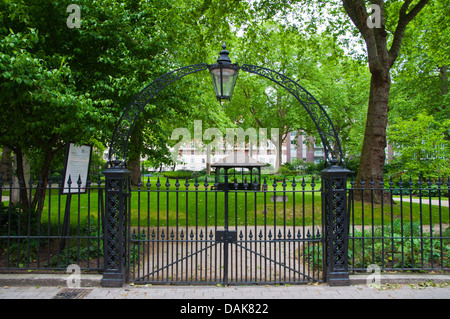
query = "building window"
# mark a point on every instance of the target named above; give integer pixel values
(318, 153)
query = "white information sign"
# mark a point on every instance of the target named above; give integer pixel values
(78, 159)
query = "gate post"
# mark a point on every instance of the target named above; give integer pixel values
(114, 238)
(336, 222)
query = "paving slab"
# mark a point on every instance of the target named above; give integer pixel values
(393, 286)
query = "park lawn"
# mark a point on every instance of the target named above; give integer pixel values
(205, 207)
(201, 209)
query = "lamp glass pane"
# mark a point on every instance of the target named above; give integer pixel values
(224, 87)
(215, 75)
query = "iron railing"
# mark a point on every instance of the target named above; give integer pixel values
(399, 226)
(57, 231)
(178, 231)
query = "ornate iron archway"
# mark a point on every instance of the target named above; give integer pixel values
(333, 177)
(323, 123)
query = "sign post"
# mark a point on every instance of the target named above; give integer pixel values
(76, 171)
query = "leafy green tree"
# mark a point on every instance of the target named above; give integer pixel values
(40, 106)
(420, 147)
(339, 82)
(420, 83)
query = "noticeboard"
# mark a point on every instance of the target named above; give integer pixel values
(76, 166)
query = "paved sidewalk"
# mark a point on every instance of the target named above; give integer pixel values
(55, 286)
(319, 291)
(425, 201)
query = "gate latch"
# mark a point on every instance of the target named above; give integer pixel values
(226, 236)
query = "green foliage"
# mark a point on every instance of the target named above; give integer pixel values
(76, 250)
(420, 146)
(285, 171)
(419, 103)
(424, 189)
(295, 164)
(178, 174)
(401, 245)
(352, 165)
(420, 84)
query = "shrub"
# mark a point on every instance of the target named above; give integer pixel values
(396, 251)
(178, 174)
(285, 171)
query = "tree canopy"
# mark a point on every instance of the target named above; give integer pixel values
(60, 83)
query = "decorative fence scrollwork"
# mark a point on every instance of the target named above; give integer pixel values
(119, 142)
(325, 128)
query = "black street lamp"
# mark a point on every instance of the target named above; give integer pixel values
(224, 75)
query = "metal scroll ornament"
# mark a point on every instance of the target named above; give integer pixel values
(326, 130)
(119, 142)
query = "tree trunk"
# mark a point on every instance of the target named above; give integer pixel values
(373, 150)
(39, 197)
(5, 165)
(443, 79)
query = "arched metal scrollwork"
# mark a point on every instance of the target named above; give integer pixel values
(119, 142)
(325, 128)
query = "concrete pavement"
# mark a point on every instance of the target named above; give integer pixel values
(425, 201)
(390, 287)
(321, 291)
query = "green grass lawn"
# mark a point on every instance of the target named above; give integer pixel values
(207, 208)
(150, 207)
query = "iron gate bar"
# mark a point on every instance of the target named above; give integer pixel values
(274, 261)
(214, 243)
(281, 262)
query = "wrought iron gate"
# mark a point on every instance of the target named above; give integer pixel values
(181, 233)
(224, 244)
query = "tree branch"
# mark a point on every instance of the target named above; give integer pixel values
(404, 19)
(357, 12)
(258, 121)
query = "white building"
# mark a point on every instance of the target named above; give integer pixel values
(295, 146)
(195, 158)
